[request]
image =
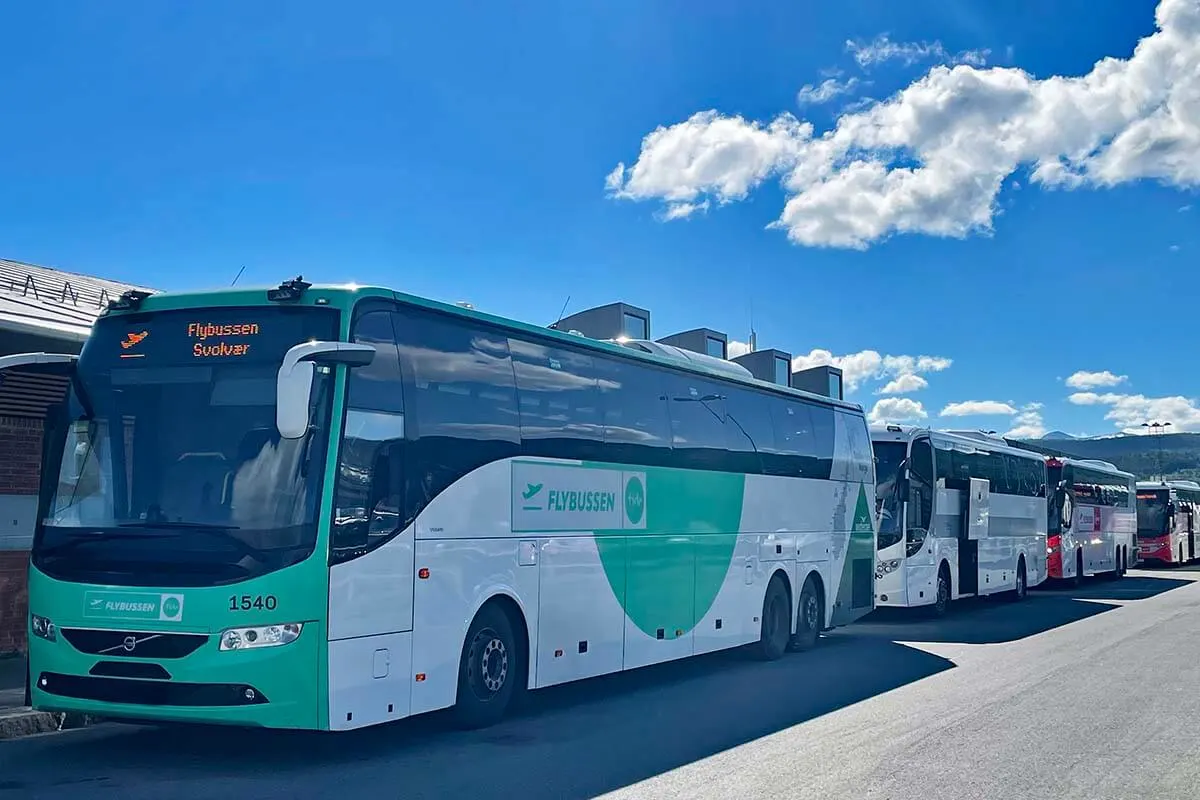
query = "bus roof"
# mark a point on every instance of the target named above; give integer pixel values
(944, 440)
(346, 296)
(1096, 464)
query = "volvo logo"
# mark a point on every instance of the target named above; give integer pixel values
(129, 643)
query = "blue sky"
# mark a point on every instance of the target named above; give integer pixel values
(1012, 226)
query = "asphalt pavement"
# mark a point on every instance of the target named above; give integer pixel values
(1090, 693)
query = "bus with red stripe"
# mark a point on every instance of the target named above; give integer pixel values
(1093, 519)
(1166, 521)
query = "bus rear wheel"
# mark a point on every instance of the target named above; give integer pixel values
(489, 671)
(810, 618)
(776, 621)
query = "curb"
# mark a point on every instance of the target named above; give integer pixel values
(20, 722)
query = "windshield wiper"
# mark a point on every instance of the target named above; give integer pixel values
(216, 531)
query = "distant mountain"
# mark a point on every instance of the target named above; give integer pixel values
(1177, 455)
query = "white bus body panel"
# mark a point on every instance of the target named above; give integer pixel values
(476, 546)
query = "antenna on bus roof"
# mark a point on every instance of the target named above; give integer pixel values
(561, 311)
(235, 277)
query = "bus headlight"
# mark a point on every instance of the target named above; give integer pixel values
(260, 636)
(885, 567)
(43, 628)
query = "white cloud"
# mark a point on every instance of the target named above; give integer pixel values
(1185, 208)
(1090, 380)
(826, 90)
(882, 48)
(860, 367)
(971, 408)
(1129, 411)
(932, 158)
(1174, 248)
(707, 156)
(897, 409)
(734, 348)
(1028, 423)
(905, 384)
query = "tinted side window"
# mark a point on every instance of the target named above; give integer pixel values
(751, 432)
(461, 401)
(921, 485)
(370, 477)
(637, 429)
(559, 400)
(697, 409)
(377, 386)
(804, 437)
(941, 463)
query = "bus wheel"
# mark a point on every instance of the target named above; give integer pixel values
(1077, 581)
(776, 621)
(1021, 582)
(941, 605)
(810, 618)
(28, 684)
(489, 670)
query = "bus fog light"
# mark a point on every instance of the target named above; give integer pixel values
(43, 628)
(260, 636)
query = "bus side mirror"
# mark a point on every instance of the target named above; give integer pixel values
(293, 384)
(1062, 502)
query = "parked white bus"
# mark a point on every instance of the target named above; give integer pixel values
(960, 514)
(1093, 521)
(1166, 521)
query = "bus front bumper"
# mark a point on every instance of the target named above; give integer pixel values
(272, 687)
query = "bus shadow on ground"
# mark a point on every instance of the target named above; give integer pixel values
(577, 740)
(993, 620)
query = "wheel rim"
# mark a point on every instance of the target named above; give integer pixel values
(488, 664)
(1021, 582)
(811, 613)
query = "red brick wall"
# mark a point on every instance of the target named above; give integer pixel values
(20, 459)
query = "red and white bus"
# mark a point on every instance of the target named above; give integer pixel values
(1093, 519)
(1166, 521)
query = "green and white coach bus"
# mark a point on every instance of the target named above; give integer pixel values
(327, 508)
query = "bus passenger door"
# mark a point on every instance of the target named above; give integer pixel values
(973, 510)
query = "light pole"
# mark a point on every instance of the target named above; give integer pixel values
(1158, 429)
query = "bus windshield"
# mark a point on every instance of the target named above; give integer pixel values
(1152, 512)
(888, 457)
(165, 464)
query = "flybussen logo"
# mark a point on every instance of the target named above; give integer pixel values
(635, 499)
(569, 500)
(553, 497)
(133, 605)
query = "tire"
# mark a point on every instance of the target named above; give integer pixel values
(1077, 581)
(941, 605)
(1022, 583)
(776, 630)
(810, 617)
(490, 670)
(28, 685)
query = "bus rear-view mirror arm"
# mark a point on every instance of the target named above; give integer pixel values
(295, 379)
